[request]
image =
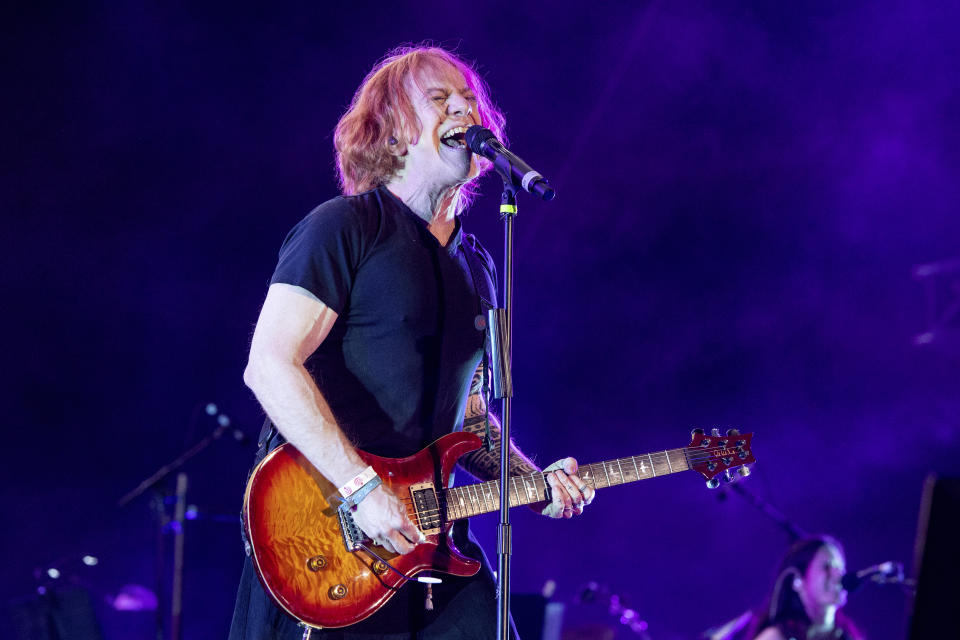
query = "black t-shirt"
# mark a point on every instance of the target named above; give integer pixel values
(397, 365)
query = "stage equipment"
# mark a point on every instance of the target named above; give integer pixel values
(168, 524)
(765, 507)
(941, 288)
(319, 567)
(937, 561)
(133, 597)
(61, 608)
(536, 618)
(499, 338)
(594, 593)
(56, 613)
(883, 573)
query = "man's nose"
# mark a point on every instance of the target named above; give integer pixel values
(457, 105)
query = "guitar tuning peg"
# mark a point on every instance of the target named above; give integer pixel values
(696, 432)
(733, 432)
(715, 432)
(743, 471)
(727, 476)
(713, 483)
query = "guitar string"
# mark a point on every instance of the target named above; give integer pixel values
(661, 456)
(485, 498)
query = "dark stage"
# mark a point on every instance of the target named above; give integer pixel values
(756, 227)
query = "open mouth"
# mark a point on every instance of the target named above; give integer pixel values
(454, 138)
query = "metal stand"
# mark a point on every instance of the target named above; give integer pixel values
(166, 524)
(176, 595)
(794, 530)
(500, 322)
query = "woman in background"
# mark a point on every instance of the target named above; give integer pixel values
(807, 596)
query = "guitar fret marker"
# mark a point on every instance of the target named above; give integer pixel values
(531, 491)
(477, 503)
(429, 505)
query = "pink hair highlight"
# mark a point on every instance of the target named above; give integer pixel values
(381, 108)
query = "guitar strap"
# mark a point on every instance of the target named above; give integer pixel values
(484, 304)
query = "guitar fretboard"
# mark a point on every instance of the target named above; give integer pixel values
(484, 497)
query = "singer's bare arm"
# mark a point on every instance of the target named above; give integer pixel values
(292, 324)
(569, 493)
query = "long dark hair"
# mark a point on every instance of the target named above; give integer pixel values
(783, 608)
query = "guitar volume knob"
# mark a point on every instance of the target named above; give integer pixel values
(337, 592)
(316, 563)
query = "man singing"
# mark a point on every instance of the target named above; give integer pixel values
(367, 337)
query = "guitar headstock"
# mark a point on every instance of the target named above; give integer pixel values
(715, 454)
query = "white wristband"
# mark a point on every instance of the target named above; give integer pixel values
(361, 479)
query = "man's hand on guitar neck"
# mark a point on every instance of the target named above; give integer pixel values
(569, 493)
(383, 517)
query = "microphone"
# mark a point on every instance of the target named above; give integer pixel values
(483, 143)
(886, 572)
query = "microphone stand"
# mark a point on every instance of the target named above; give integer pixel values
(794, 530)
(500, 323)
(176, 525)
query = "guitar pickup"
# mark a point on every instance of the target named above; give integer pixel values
(427, 507)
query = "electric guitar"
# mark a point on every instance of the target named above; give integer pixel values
(321, 569)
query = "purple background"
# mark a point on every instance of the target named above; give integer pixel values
(743, 191)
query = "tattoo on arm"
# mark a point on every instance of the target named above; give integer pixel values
(484, 464)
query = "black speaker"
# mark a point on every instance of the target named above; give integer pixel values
(535, 617)
(937, 562)
(57, 614)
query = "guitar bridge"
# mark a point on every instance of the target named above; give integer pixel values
(427, 507)
(352, 535)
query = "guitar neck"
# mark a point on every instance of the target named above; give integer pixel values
(484, 497)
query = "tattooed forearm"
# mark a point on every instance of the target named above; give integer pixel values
(484, 464)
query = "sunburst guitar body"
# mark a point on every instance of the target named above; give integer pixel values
(309, 558)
